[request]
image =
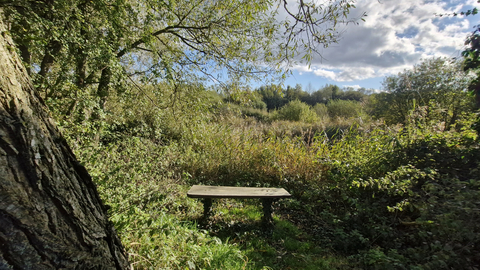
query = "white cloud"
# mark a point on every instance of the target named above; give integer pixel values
(396, 35)
(356, 86)
(325, 73)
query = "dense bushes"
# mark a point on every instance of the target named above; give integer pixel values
(405, 199)
(387, 197)
(383, 196)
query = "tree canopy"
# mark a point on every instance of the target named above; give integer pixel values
(71, 45)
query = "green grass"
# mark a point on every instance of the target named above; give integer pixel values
(284, 246)
(232, 238)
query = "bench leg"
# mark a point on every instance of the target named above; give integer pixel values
(267, 212)
(207, 207)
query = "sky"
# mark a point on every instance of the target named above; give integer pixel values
(396, 35)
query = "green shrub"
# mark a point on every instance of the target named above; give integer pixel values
(259, 115)
(321, 110)
(259, 104)
(344, 108)
(161, 112)
(297, 111)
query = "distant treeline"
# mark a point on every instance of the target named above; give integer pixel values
(275, 96)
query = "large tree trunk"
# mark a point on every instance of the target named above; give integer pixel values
(51, 216)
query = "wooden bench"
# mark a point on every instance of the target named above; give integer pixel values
(267, 195)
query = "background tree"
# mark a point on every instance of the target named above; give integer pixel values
(472, 61)
(328, 92)
(51, 215)
(296, 93)
(437, 83)
(273, 96)
(351, 94)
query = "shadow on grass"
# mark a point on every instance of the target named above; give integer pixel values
(280, 246)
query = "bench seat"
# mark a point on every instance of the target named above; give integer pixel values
(267, 195)
(198, 191)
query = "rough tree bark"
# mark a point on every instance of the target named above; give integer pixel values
(51, 216)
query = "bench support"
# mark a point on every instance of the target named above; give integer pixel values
(207, 207)
(267, 219)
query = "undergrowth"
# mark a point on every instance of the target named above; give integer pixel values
(365, 195)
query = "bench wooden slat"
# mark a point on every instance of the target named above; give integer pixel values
(198, 191)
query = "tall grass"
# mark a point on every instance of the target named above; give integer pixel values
(250, 156)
